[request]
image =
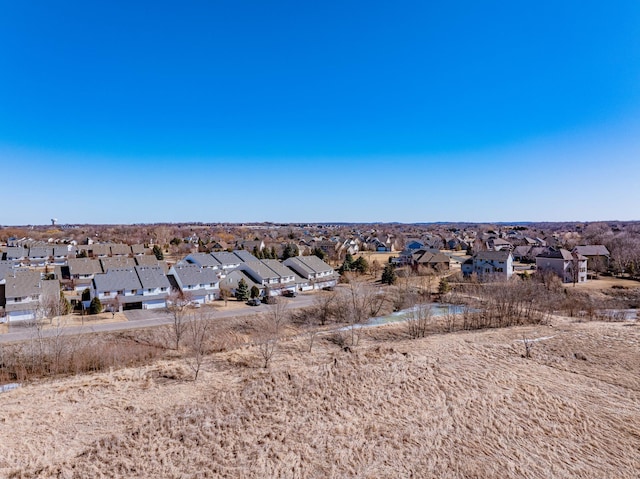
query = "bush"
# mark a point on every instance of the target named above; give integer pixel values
(96, 306)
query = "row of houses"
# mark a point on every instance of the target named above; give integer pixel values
(42, 254)
(137, 283)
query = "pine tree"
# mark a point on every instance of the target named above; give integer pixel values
(255, 291)
(242, 291)
(389, 275)
(157, 251)
(96, 306)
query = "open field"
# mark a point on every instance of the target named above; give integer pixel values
(460, 405)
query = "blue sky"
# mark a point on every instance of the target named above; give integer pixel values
(126, 112)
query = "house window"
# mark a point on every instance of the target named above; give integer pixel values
(107, 293)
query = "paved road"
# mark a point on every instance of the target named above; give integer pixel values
(143, 319)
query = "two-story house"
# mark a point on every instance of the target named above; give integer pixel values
(270, 273)
(489, 265)
(201, 285)
(570, 267)
(317, 272)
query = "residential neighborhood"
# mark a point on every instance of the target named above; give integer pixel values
(277, 260)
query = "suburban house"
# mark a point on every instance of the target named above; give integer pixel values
(570, 267)
(117, 262)
(82, 271)
(489, 265)
(229, 261)
(39, 256)
(24, 295)
(499, 244)
(151, 260)
(60, 255)
(155, 286)
(435, 260)
(16, 254)
(597, 256)
(203, 260)
(231, 280)
(201, 285)
(118, 288)
(271, 274)
(318, 273)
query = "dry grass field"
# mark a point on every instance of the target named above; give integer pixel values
(459, 405)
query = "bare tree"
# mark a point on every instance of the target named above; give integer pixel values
(197, 337)
(418, 320)
(177, 307)
(324, 304)
(364, 302)
(271, 328)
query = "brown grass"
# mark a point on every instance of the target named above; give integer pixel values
(461, 405)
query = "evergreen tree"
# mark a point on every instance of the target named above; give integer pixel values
(319, 253)
(242, 291)
(389, 275)
(290, 250)
(65, 305)
(444, 287)
(347, 264)
(157, 251)
(255, 291)
(361, 265)
(274, 254)
(96, 306)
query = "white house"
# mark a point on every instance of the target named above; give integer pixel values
(202, 285)
(317, 272)
(488, 265)
(271, 274)
(155, 286)
(570, 267)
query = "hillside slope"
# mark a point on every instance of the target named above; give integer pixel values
(463, 405)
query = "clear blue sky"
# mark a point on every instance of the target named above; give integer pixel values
(123, 112)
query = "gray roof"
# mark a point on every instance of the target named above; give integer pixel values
(151, 260)
(152, 277)
(315, 263)
(244, 255)
(138, 249)
(40, 252)
(120, 249)
(261, 270)
(20, 284)
(502, 255)
(224, 258)
(191, 274)
(592, 250)
(277, 267)
(6, 267)
(117, 263)
(61, 251)
(116, 280)
(100, 249)
(559, 254)
(16, 252)
(84, 266)
(205, 260)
